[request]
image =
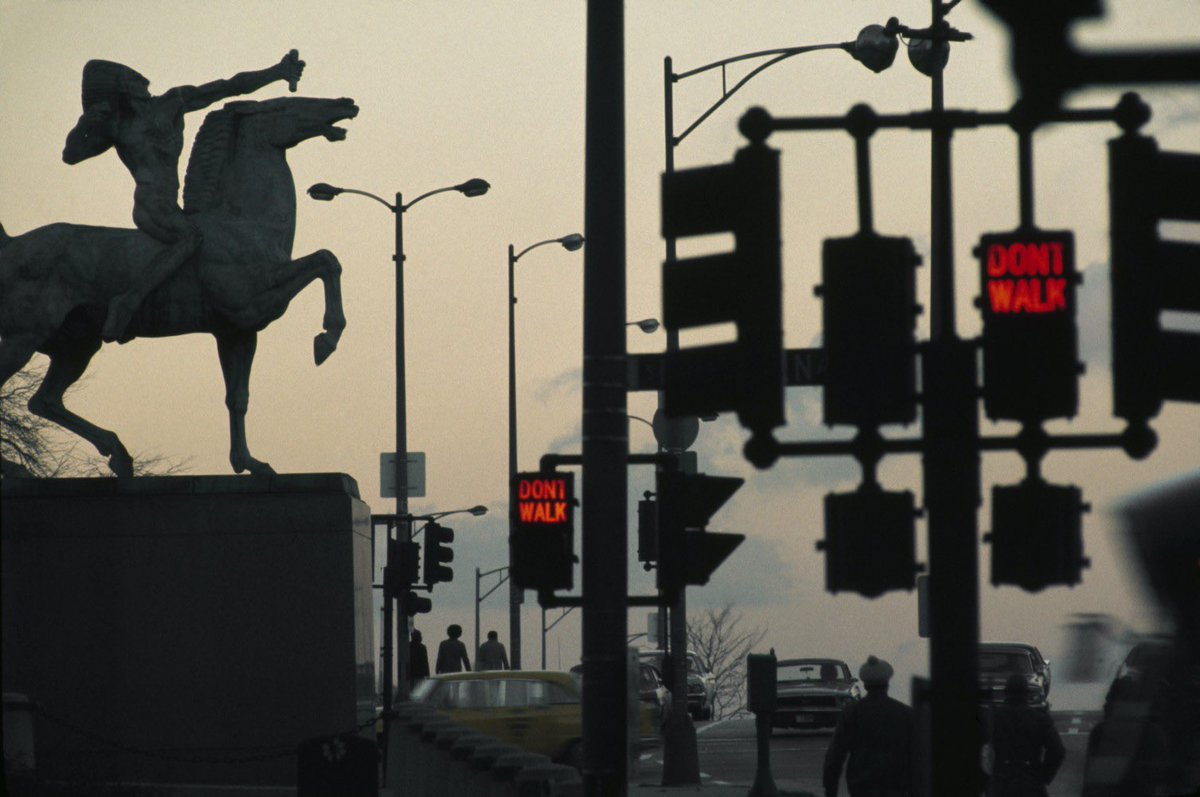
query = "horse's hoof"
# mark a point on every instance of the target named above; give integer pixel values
(121, 464)
(323, 346)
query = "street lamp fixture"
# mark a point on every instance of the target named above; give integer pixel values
(647, 325)
(572, 243)
(477, 510)
(324, 192)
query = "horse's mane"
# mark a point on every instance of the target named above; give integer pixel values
(211, 151)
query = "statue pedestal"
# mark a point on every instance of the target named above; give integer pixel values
(209, 623)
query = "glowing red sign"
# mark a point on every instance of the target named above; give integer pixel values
(545, 498)
(1027, 276)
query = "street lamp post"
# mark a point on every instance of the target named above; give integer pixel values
(325, 193)
(572, 243)
(875, 47)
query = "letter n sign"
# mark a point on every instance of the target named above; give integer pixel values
(543, 531)
(1030, 342)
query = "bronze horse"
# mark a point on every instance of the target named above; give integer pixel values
(56, 281)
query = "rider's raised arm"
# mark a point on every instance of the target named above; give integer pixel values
(197, 97)
(91, 135)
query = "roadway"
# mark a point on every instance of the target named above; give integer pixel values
(727, 755)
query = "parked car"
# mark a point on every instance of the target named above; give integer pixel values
(652, 692)
(1145, 657)
(811, 693)
(702, 685)
(999, 660)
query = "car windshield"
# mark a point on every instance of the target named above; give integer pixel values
(1004, 661)
(812, 671)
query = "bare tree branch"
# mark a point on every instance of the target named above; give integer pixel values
(31, 446)
(716, 638)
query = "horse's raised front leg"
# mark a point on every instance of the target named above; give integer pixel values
(236, 351)
(285, 280)
(67, 364)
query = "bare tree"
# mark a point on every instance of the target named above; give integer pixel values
(31, 446)
(716, 637)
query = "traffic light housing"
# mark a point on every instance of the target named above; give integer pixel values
(687, 554)
(647, 529)
(1030, 339)
(869, 316)
(413, 604)
(542, 545)
(870, 541)
(742, 287)
(1037, 535)
(400, 571)
(437, 553)
(1149, 275)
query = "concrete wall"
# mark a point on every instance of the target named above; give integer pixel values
(202, 620)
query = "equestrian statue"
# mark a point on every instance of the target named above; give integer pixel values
(221, 264)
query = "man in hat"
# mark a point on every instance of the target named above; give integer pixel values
(877, 735)
(147, 133)
(1026, 748)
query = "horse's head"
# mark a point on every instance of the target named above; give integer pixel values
(286, 121)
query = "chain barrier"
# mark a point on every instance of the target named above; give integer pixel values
(190, 755)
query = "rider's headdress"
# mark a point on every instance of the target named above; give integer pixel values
(102, 80)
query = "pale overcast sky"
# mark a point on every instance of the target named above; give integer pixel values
(453, 90)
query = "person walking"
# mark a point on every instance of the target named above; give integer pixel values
(452, 653)
(876, 733)
(418, 660)
(492, 655)
(1026, 749)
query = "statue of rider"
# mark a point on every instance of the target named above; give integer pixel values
(147, 132)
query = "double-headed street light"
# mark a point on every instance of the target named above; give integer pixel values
(572, 243)
(325, 193)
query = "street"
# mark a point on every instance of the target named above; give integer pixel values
(727, 755)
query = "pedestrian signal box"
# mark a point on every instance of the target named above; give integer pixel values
(543, 531)
(1030, 341)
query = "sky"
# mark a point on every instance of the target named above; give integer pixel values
(454, 90)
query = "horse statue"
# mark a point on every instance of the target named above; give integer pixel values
(56, 281)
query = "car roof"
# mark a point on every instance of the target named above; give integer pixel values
(1011, 647)
(552, 676)
(783, 662)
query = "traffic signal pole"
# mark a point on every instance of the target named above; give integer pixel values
(605, 425)
(950, 428)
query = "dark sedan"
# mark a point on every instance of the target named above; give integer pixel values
(811, 693)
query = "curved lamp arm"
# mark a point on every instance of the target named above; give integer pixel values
(570, 242)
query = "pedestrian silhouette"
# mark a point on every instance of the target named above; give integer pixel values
(452, 653)
(492, 655)
(418, 660)
(1026, 750)
(877, 735)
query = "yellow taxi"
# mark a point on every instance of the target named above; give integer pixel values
(537, 710)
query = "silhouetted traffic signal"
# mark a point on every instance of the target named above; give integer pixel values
(647, 529)
(687, 554)
(743, 287)
(400, 571)
(869, 317)
(1150, 275)
(543, 537)
(870, 541)
(437, 552)
(1037, 535)
(1030, 342)
(413, 604)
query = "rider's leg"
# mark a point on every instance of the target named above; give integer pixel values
(172, 227)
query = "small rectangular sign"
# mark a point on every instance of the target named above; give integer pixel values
(415, 476)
